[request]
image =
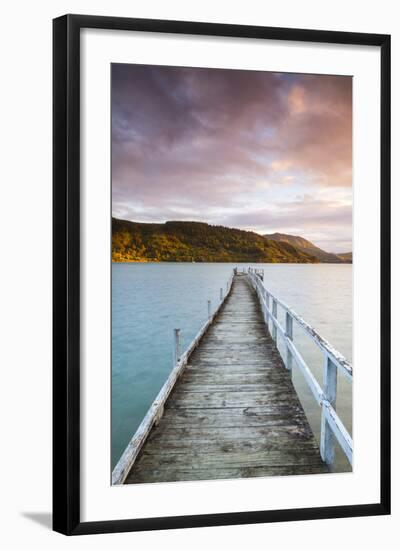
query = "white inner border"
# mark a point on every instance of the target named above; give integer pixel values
(100, 501)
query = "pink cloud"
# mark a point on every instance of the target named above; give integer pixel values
(201, 138)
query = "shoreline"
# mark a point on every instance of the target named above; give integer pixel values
(227, 262)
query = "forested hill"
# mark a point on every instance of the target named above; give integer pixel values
(346, 257)
(309, 248)
(176, 241)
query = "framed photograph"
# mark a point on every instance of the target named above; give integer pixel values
(221, 274)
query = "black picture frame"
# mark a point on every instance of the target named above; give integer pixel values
(66, 273)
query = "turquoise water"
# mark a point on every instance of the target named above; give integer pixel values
(150, 300)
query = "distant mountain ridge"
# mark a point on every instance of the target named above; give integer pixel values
(187, 241)
(308, 247)
(346, 256)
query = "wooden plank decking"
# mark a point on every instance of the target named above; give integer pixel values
(234, 411)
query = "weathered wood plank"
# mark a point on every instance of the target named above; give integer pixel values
(222, 433)
(235, 446)
(277, 415)
(218, 399)
(176, 473)
(198, 459)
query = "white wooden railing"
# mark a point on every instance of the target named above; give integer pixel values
(156, 410)
(331, 426)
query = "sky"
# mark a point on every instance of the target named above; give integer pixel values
(262, 151)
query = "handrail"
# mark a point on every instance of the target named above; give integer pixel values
(335, 356)
(156, 410)
(331, 426)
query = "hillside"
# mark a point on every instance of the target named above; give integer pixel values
(346, 257)
(309, 248)
(175, 241)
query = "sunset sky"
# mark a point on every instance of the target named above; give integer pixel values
(254, 150)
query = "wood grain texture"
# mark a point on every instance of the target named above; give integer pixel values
(234, 412)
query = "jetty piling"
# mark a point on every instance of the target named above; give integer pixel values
(177, 345)
(330, 390)
(274, 318)
(289, 334)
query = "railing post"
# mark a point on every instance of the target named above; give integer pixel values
(274, 315)
(266, 309)
(289, 334)
(327, 444)
(177, 345)
(209, 308)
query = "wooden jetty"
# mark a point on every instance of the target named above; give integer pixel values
(229, 408)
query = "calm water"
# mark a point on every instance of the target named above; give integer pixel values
(150, 300)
